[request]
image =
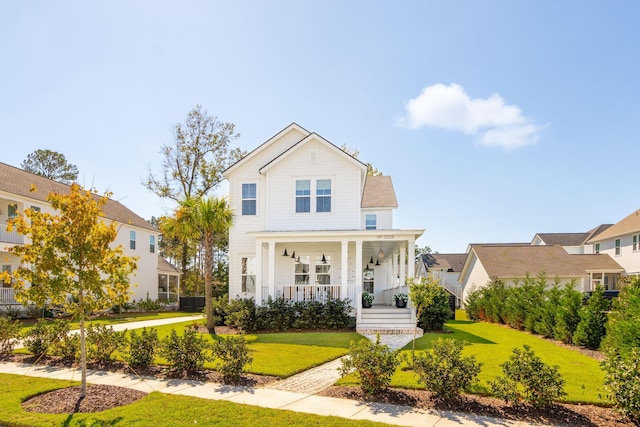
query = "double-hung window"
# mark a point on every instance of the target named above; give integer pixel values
(370, 221)
(248, 274)
(617, 246)
(636, 242)
(303, 195)
(13, 210)
(132, 239)
(248, 199)
(597, 249)
(323, 195)
(152, 244)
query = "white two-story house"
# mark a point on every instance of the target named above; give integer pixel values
(310, 224)
(20, 190)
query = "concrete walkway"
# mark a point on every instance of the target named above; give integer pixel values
(269, 398)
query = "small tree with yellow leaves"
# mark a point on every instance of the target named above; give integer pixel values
(69, 260)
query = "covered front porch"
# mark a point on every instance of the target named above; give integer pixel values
(322, 265)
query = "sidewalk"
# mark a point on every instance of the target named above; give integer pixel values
(269, 398)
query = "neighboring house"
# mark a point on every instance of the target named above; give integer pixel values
(135, 235)
(573, 243)
(444, 267)
(622, 242)
(513, 262)
(311, 224)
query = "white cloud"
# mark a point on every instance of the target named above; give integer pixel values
(494, 122)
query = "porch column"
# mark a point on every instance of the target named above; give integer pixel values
(394, 269)
(344, 272)
(411, 251)
(271, 248)
(403, 268)
(358, 301)
(259, 296)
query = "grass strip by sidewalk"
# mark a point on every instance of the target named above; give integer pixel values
(156, 409)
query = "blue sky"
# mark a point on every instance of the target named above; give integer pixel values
(495, 119)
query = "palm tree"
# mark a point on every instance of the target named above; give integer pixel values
(210, 219)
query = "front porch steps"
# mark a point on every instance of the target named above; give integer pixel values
(387, 320)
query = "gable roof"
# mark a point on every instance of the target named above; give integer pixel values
(378, 193)
(310, 137)
(571, 239)
(19, 182)
(628, 225)
(512, 261)
(453, 262)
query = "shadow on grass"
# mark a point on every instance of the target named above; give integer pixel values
(91, 422)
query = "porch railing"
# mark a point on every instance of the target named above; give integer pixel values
(10, 236)
(316, 293)
(7, 296)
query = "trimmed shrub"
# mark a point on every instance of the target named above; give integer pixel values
(593, 320)
(431, 302)
(528, 380)
(41, 337)
(568, 314)
(623, 328)
(149, 305)
(9, 334)
(68, 347)
(444, 371)
(472, 306)
(185, 353)
(622, 379)
(233, 354)
(276, 315)
(9, 311)
(142, 348)
(34, 311)
(372, 363)
(103, 341)
(241, 313)
(335, 314)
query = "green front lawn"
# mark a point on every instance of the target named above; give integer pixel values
(492, 344)
(155, 409)
(283, 354)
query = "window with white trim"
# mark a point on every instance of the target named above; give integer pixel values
(249, 199)
(323, 270)
(636, 242)
(303, 195)
(12, 210)
(323, 195)
(597, 248)
(152, 244)
(617, 246)
(248, 274)
(301, 272)
(370, 221)
(132, 239)
(6, 268)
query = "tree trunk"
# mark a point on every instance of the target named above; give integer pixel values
(83, 349)
(208, 268)
(185, 258)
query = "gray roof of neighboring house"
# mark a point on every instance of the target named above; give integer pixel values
(166, 266)
(628, 225)
(571, 239)
(509, 261)
(379, 193)
(453, 262)
(17, 181)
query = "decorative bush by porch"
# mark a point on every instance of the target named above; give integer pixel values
(284, 315)
(372, 363)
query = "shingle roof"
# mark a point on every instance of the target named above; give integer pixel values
(455, 262)
(563, 239)
(628, 225)
(166, 266)
(379, 193)
(510, 261)
(17, 181)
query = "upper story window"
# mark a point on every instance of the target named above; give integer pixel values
(303, 195)
(35, 208)
(370, 221)
(323, 195)
(132, 239)
(248, 199)
(12, 210)
(636, 242)
(152, 244)
(597, 249)
(617, 246)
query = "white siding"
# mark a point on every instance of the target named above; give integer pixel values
(384, 218)
(476, 278)
(628, 258)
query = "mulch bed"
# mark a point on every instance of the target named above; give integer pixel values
(67, 400)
